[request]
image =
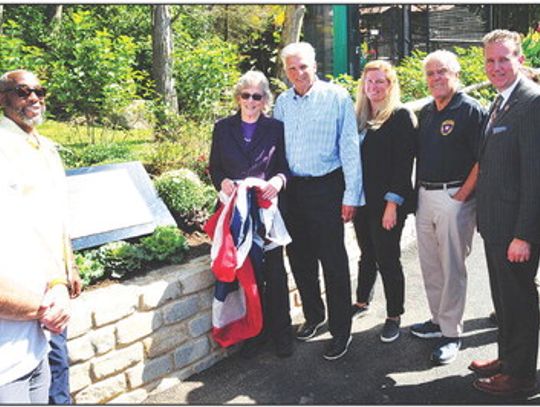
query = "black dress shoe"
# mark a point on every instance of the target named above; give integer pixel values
(337, 347)
(308, 330)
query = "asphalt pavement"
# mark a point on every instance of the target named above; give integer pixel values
(372, 372)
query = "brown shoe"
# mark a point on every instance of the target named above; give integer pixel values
(504, 385)
(486, 368)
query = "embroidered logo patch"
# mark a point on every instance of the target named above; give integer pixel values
(446, 127)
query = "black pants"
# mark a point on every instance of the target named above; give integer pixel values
(274, 293)
(379, 251)
(314, 222)
(515, 297)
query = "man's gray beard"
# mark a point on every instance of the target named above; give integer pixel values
(34, 121)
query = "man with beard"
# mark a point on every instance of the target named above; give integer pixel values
(36, 252)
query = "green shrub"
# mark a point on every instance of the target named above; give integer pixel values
(94, 154)
(163, 157)
(91, 71)
(411, 77)
(205, 72)
(91, 269)
(531, 48)
(167, 243)
(16, 54)
(347, 81)
(120, 258)
(189, 199)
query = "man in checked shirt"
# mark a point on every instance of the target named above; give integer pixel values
(323, 150)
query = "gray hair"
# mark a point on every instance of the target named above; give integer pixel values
(504, 35)
(256, 79)
(6, 80)
(446, 58)
(295, 49)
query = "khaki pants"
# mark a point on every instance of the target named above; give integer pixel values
(444, 230)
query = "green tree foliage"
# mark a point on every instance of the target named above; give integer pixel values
(205, 73)
(91, 72)
(16, 54)
(531, 48)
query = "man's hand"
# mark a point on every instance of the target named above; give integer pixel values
(347, 213)
(519, 251)
(227, 186)
(57, 313)
(75, 282)
(389, 219)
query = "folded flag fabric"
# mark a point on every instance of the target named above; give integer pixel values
(243, 227)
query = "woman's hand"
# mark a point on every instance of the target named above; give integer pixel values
(227, 186)
(389, 219)
(272, 188)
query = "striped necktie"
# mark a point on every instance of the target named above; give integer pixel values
(494, 112)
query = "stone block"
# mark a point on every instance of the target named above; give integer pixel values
(103, 339)
(197, 277)
(180, 310)
(190, 352)
(158, 293)
(207, 362)
(174, 379)
(150, 370)
(164, 340)
(133, 397)
(114, 303)
(137, 326)
(80, 349)
(103, 391)
(79, 377)
(199, 325)
(117, 361)
(206, 298)
(81, 318)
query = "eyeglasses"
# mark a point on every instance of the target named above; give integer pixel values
(23, 91)
(255, 96)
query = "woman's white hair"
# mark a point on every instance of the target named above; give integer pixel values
(255, 79)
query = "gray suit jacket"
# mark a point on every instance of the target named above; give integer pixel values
(508, 189)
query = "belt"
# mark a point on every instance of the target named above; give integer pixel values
(430, 186)
(330, 175)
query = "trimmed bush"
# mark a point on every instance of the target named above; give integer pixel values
(187, 197)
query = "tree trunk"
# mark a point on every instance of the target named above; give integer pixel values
(162, 61)
(292, 28)
(56, 18)
(1, 17)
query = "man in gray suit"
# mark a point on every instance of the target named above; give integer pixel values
(508, 208)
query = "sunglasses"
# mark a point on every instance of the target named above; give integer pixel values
(24, 91)
(256, 96)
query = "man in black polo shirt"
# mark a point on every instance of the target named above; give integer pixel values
(447, 169)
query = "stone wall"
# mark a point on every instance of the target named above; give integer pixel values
(148, 334)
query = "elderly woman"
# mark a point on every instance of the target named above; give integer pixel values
(250, 144)
(387, 155)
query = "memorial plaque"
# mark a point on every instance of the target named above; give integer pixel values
(113, 202)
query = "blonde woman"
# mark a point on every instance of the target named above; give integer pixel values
(387, 155)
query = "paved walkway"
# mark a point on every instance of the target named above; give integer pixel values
(372, 372)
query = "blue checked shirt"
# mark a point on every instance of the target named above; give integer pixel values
(321, 135)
